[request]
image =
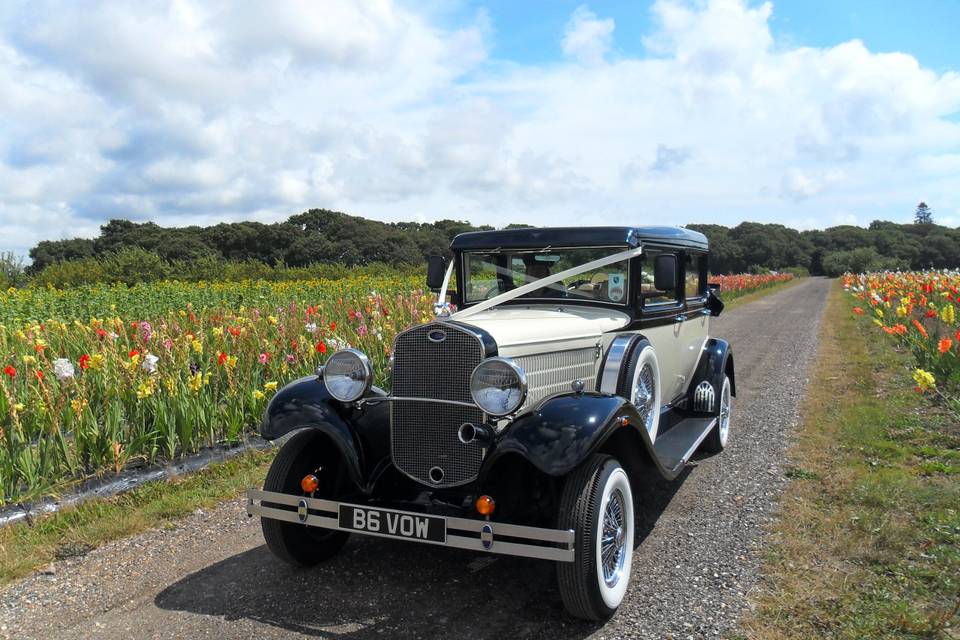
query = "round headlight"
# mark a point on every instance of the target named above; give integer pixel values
(498, 386)
(348, 375)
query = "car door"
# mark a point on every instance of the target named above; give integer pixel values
(695, 326)
(661, 321)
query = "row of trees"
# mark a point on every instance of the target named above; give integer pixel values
(319, 236)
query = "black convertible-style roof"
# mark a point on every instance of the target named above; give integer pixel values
(579, 237)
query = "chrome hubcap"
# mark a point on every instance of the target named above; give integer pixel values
(644, 394)
(612, 547)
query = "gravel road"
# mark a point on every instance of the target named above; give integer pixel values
(696, 562)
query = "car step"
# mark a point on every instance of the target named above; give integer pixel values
(675, 447)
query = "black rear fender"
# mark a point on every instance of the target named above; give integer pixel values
(716, 361)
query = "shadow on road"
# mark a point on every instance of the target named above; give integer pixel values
(383, 589)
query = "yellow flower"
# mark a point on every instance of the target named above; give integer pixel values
(901, 311)
(924, 379)
(28, 360)
(78, 405)
(218, 331)
(146, 388)
(197, 345)
(272, 319)
(877, 322)
(135, 358)
(96, 361)
(183, 314)
(878, 311)
(196, 381)
(232, 362)
(257, 394)
(169, 385)
(948, 314)
(19, 407)
(270, 386)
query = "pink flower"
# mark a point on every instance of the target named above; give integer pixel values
(291, 358)
(168, 343)
(263, 357)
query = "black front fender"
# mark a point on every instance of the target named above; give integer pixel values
(716, 360)
(361, 436)
(561, 433)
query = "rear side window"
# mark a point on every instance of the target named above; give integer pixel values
(695, 284)
(650, 295)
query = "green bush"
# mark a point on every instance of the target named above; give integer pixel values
(798, 272)
(860, 260)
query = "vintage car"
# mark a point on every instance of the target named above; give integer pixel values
(578, 361)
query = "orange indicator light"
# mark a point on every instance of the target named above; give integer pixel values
(485, 505)
(309, 483)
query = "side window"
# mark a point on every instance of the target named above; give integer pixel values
(649, 293)
(696, 276)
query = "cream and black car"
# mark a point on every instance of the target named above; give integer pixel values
(577, 359)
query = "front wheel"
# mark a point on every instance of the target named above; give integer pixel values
(597, 503)
(295, 543)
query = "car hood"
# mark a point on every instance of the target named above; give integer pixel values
(521, 330)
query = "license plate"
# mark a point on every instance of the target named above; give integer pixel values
(386, 522)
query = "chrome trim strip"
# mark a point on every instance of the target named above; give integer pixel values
(696, 443)
(611, 367)
(377, 399)
(256, 497)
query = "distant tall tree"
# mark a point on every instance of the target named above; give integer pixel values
(924, 214)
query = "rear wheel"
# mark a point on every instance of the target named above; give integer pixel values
(717, 440)
(597, 503)
(295, 543)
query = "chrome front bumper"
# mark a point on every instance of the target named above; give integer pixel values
(461, 533)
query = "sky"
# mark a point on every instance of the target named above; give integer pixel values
(808, 113)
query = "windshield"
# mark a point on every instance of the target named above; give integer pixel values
(489, 274)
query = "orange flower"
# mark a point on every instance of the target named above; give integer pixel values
(944, 345)
(919, 327)
(858, 311)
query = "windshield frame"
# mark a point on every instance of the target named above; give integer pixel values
(464, 279)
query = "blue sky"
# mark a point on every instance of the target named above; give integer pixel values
(809, 114)
(529, 32)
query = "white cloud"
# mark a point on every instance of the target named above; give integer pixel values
(587, 38)
(192, 113)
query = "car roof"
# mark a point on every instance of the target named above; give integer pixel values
(534, 237)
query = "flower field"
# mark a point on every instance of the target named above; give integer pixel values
(100, 377)
(918, 312)
(734, 286)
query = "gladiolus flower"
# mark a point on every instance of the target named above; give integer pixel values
(28, 360)
(63, 369)
(84, 362)
(258, 395)
(263, 357)
(133, 353)
(311, 327)
(333, 327)
(931, 313)
(101, 333)
(270, 386)
(919, 327)
(19, 407)
(39, 375)
(924, 379)
(10, 371)
(150, 363)
(944, 345)
(321, 347)
(291, 358)
(221, 358)
(948, 314)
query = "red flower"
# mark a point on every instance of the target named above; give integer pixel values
(944, 345)
(101, 333)
(919, 327)
(931, 313)
(293, 345)
(84, 361)
(333, 327)
(858, 311)
(321, 347)
(221, 357)
(38, 348)
(133, 352)
(39, 375)
(234, 331)
(957, 335)
(10, 371)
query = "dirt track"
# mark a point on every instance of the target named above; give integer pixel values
(697, 558)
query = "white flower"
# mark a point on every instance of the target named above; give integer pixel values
(150, 363)
(311, 327)
(63, 369)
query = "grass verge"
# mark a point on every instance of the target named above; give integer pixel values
(868, 540)
(25, 548)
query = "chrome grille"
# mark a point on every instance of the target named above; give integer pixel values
(423, 435)
(550, 373)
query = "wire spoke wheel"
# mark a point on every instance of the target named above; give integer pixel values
(612, 543)
(644, 394)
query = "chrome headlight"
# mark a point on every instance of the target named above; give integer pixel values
(498, 386)
(348, 375)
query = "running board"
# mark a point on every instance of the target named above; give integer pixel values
(675, 447)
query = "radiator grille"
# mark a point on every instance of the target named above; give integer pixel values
(550, 373)
(423, 435)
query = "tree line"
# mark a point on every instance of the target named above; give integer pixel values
(319, 236)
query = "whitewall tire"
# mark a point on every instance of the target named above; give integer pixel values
(717, 440)
(641, 385)
(597, 503)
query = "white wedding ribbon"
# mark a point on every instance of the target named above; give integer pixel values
(543, 282)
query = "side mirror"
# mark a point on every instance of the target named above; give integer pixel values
(714, 304)
(714, 287)
(436, 271)
(665, 272)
